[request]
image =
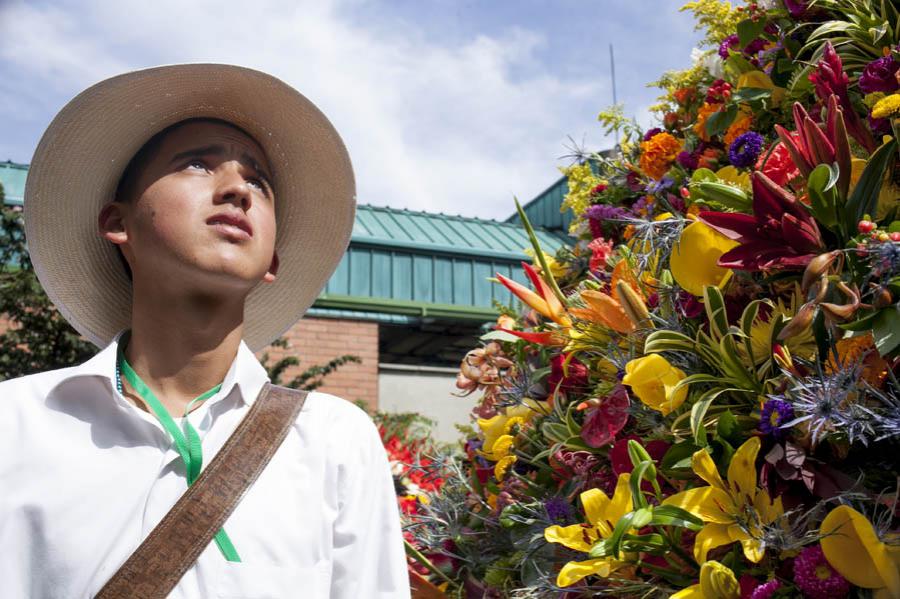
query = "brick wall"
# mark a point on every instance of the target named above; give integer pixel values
(315, 341)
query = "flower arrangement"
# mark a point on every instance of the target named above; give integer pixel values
(700, 397)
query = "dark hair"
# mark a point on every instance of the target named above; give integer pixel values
(126, 189)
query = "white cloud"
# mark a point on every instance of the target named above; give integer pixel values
(455, 128)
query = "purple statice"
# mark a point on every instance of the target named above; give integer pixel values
(663, 184)
(604, 212)
(765, 590)
(688, 160)
(559, 510)
(727, 44)
(775, 413)
(815, 577)
(650, 133)
(796, 8)
(880, 76)
(745, 150)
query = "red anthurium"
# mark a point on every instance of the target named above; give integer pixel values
(779, 235)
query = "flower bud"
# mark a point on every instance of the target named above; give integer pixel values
(817, 268)
(800, 322)
(633, 304)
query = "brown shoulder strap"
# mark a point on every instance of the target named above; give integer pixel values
(174, 545)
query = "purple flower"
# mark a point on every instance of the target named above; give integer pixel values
(879, 126)
(687, 160)
(765, 590)
(746, 149)
(558, 509)
(649, 134)
(727, 44)
(661, 185)
(815, 577)
(602, 212)
(795, 7)
(880, 76)
(774, 414)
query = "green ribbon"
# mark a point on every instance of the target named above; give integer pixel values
(187, 442)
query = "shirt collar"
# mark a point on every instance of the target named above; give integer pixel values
(245, 372)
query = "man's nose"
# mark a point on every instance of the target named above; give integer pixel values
(232, 187)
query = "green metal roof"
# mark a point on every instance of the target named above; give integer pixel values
(446, 234)
(544, 210)
(12, 176)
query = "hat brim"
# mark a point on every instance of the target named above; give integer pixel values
(81, 156)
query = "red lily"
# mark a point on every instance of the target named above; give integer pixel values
(810, 146)
(544, 301)
(830, 79)
(779, 235)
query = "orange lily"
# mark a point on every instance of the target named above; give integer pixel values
(610, 309)
(544, 301)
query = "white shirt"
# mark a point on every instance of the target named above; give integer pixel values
(85, 475)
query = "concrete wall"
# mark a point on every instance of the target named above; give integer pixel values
(426, 390)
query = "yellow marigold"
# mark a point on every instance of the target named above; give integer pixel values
(658, 153)
(740, 126)
(706, 111)
(887, 107)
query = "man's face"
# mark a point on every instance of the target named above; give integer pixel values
(203, 212)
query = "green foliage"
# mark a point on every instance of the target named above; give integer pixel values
(310, 379)
(38, 337)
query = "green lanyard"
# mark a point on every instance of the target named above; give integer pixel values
(187, 444)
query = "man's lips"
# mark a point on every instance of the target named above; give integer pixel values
(232, 224)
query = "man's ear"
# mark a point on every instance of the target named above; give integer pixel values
(112, 224)
(273, 269)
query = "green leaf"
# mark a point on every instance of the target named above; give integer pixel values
(715, 311)
(748, 30)
(727, 427)
(678, 457)
(622, 526)
(864, 199)
(670, 515)
(823, 194)
(887, 330)
(662, 340)
(555, 432)
(718, 122)
(751, 94)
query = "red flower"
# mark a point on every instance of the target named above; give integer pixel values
(603, 423)
(575, 380)
(779, 235)
(778, 165)
(830, 79)
(600, 251)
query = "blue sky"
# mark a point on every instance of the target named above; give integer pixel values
(450, 106)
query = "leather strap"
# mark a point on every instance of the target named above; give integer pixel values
(174, 545)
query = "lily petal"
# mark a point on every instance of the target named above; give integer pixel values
(707, 503)
(853, 548)
(711, 536)
(705, 468)
(572, 536)
(572, 572)
(742, 470)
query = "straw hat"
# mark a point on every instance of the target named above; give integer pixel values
(81, 156)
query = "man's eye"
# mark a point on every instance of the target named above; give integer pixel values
(196, 163)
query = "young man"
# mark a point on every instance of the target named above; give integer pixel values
(188, 170)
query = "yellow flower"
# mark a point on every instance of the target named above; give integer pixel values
(803, 344)
(733, 512)
(694, 259)
(653, 380)
(503, 466)
(556, 269)
(496, 428)
(602, 514)
(731, 175)
(716, 582)
(887, 107)
(852, 547)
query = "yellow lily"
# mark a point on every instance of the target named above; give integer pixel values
(653, 379)
(852, 547)
(497, 440)
(694, 259)
(733, 512)
(602, 514)
(716, 582)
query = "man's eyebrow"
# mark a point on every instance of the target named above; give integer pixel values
(213, 150)
(218, 150)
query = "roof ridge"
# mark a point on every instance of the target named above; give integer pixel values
(459, 217)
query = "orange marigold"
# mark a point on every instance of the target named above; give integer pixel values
(658, 153)
(706, 111)
(740, 126)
